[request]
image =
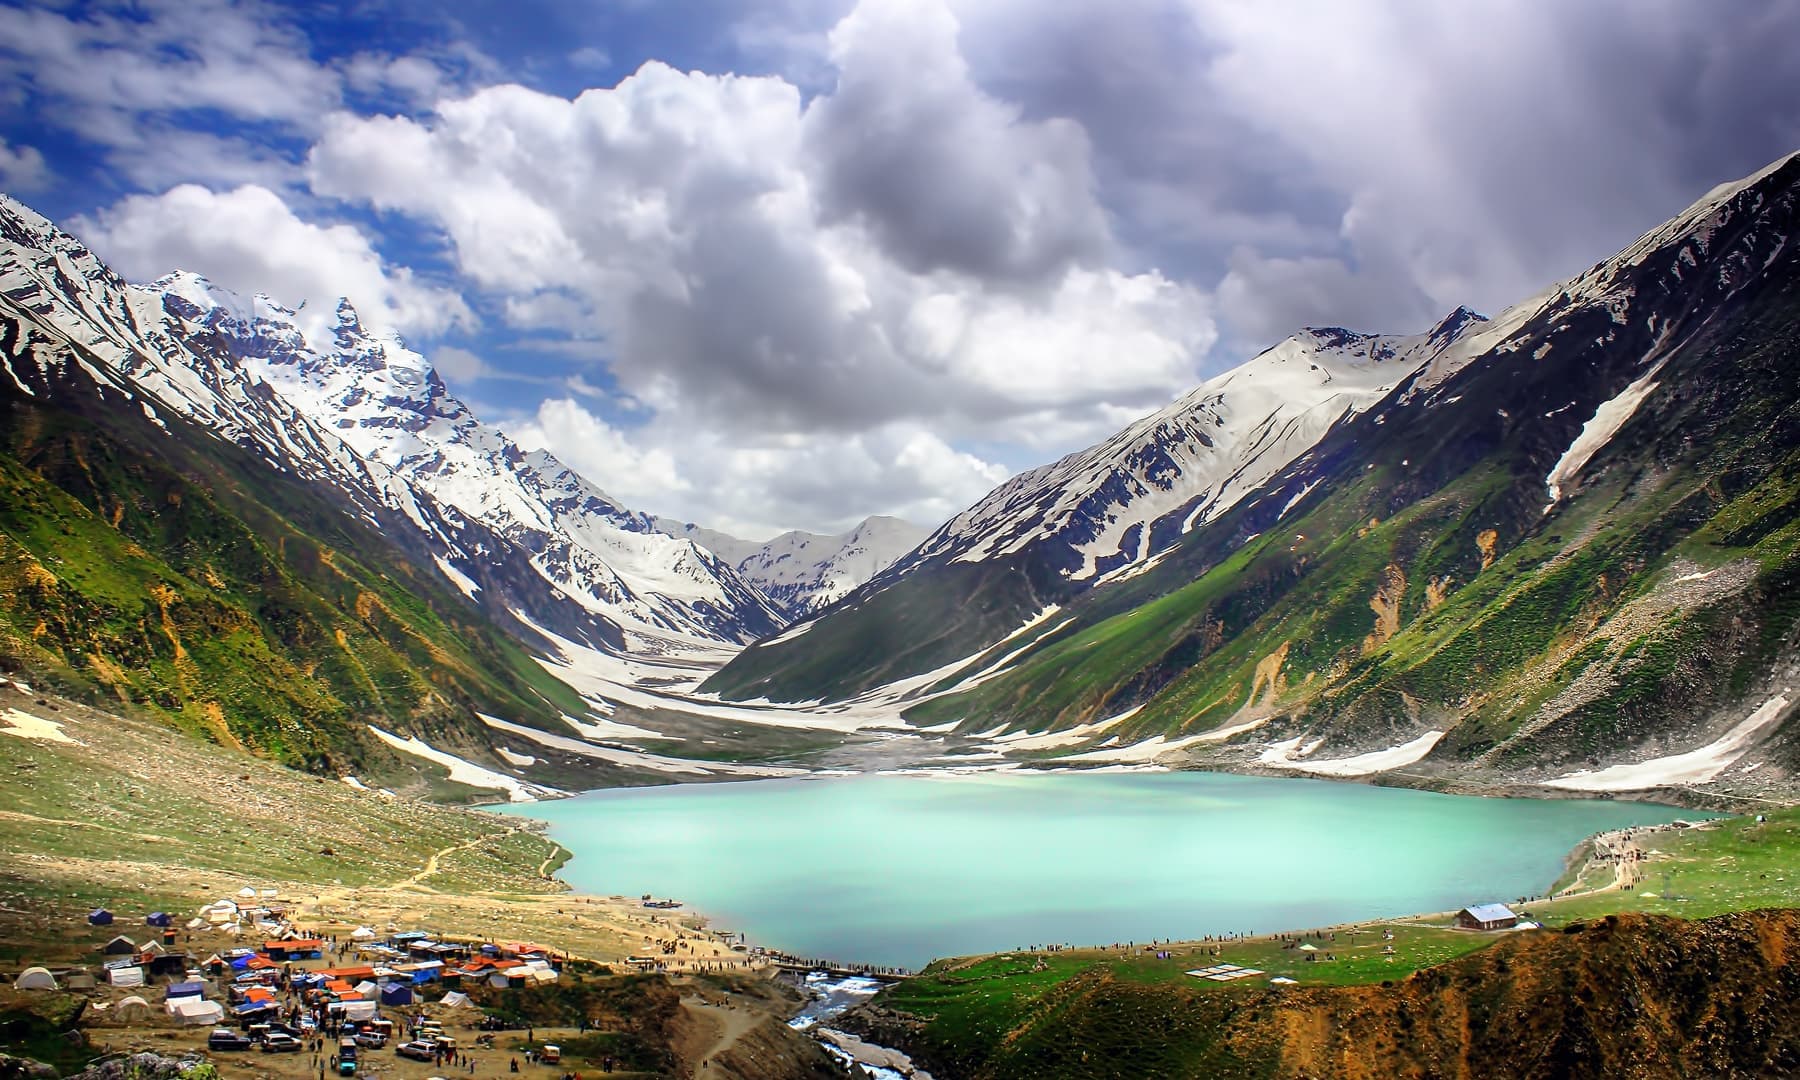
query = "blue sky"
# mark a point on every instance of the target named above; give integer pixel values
(789, 263)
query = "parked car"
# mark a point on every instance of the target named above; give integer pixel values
(551, 1054)
(418, 1050)
(227, 1039)
(373, 1040)
(280, 1042)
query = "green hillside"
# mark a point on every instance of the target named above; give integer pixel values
(176, 574)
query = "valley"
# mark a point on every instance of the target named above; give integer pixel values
(1367, 625)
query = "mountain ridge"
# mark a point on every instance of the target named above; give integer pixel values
(1557, 546)
(803, 571)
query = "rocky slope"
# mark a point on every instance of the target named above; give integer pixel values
(806, 572)
(1624, 996)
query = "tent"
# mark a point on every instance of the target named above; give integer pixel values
(396, 994)
(186, 989)
(158, 918)
(35, 978)
(356, 1010)
(366, 988)
(100, 917)
(131, 1008)
(195, 1011)
(363, 933)
(125, 976)
(454, 999)
(119, 946)
(195, 924)
(247, 893)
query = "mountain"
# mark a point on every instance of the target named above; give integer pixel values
(807, 572)
(575, 560)
(1562, 548)
(177, 538)
(1048, 535)
(287, 535)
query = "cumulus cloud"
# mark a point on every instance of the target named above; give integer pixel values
(756, 487)
(1481, 151)
(22, 168)
(945, 176)
(677, 217)
(248, 240)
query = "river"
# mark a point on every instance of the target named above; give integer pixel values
(896, 870)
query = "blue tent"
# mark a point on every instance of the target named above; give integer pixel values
(251, 1008)
(187, 989)
(100, 917)
(239, 963)
(396, 994)
(157, 918)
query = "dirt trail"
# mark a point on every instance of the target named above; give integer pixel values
(431, 864)
(731, 1024)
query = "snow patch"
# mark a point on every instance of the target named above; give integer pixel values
(26, 726)
(511, 758)
(612, 729)
(1282, 755)
(1597, 432)
(464, 772)
(638, 758)
(457, 577)
(1148, 750)
(1694, 767)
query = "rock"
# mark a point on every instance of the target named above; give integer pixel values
(148, 1066)
(22, 1068)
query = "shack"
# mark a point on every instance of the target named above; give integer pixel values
(1487, 917)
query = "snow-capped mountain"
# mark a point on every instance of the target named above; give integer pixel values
(803, 571)
(1122, 501)
(360, 412)
(1544, 387)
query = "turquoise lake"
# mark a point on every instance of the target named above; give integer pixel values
(896, 870)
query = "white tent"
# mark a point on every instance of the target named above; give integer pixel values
(363, 933)
(195, 924)
(543, 975)
(454, 999)
(195, 1011)
(247, 892)
(360, 1010)
(1309, 947)
(35, 978)
(131, 1008)
(125, 976)
(367, 989)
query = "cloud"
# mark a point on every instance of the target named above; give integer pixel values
(758, 487)
(677, 218)
(943, 175)
(1482, 151)
(248, 240)
(22, 168)
(241, 59)
(458, 364)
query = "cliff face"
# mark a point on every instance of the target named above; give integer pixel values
(1632, 996)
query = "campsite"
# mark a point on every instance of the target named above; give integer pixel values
(260, 991)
